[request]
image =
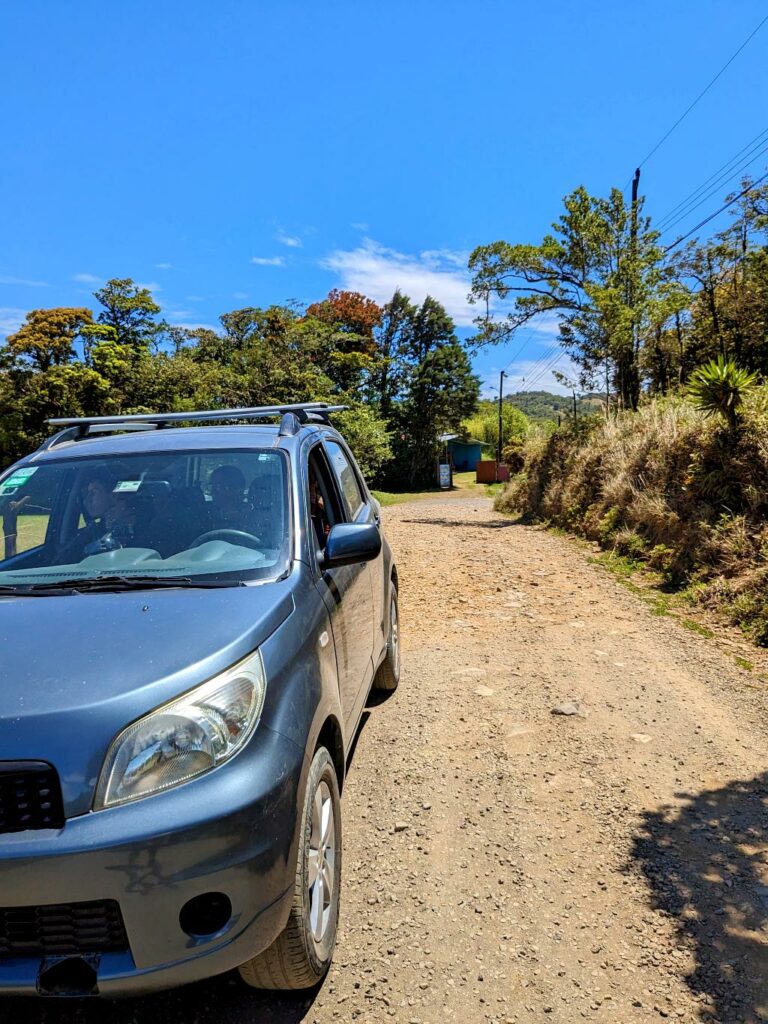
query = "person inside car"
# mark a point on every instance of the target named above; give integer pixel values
(110, 519)
(228, 509)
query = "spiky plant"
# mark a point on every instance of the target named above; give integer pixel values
(719, 388)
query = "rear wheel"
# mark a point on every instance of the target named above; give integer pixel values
(388, 675)
(301, 955)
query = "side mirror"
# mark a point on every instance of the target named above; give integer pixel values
(350, 544)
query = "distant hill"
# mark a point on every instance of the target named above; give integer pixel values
(543, 405)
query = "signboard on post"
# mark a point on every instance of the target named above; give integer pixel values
(445, 476)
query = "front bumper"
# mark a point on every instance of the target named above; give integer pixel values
(233, 831)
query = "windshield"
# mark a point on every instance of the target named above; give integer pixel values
(216, 515)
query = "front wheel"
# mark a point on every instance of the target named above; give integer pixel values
(301, 955)
(388, 675)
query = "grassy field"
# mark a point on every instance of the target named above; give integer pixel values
(30, 532)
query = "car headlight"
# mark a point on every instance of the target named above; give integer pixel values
(186, 737)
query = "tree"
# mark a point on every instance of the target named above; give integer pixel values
(393, 337)
(596, 274)
(130, 310)
(47, 337)
(438, 391)
(350, 312)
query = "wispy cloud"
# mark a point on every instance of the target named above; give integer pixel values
(359, 225)
(163, 266)
(196, 327)
(11, 320)
(239, 295)
(180, 314)
(87, 278)
(23, 281)
(376, 271)
(292, 241)
(194, 298)
(534, 374)
(268, 261)
(151, 286)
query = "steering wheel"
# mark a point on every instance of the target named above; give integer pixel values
(248, 540)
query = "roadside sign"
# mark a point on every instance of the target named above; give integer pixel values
(445, 476)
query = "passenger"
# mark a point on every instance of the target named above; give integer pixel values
(228, 509)
(110, 519)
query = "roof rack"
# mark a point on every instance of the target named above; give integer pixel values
(77, 428)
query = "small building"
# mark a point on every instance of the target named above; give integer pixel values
(465, 455)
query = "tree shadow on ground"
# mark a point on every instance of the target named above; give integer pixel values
(494, 524)
(707, 865)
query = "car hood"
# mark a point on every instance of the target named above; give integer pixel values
(76, 669)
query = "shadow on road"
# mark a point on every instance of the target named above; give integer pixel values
(494, 524)
(707, 867)
(223, 1000)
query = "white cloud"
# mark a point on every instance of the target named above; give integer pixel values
(239, 295)
(377, 272)
(23, 281)
(194, 298)
(11, 319)
(196, 327)
(163, 266)
(268, 261)
(359, 226)
(87, 278)
(180, 314)
(151, 286)
(290, 240)
(533, 374)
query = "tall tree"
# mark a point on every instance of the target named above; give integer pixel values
(596, 273)
(47, 337)
(131, 311)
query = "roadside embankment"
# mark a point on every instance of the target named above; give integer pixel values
(668, 488)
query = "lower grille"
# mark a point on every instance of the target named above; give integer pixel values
(62, 929)
(30, 796)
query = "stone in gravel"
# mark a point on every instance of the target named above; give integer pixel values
(641, 737)
(518, 729)
(569, 708)
(484, 691)
(469, 673)
(401, 826)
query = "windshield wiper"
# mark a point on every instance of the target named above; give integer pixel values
(112, 583)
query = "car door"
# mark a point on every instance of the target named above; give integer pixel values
(346, 590)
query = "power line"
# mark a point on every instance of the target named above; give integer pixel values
(701, 95)
(716, 178)
(716, 213)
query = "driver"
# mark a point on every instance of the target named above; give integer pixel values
(228, 509)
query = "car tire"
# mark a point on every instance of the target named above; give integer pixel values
(300, 956)
(388, 674)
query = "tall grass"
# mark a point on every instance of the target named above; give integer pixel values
(670, 486)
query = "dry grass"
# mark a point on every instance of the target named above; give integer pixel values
(667, 485)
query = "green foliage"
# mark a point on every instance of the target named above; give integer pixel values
(720, 387)
(484, 425)
(130, 311)
(368, 437)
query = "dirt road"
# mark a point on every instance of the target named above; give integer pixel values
(504, 863)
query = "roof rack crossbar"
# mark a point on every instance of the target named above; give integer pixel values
(76, 428)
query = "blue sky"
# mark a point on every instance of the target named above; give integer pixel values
(256, 151)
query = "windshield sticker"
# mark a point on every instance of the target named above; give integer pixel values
(17, 480)
(127, 485)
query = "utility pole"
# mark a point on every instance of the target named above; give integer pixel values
(632, 280)
(575, 414)
(498, 449)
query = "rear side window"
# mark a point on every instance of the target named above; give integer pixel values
(354, 498)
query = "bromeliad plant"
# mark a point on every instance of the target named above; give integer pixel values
(719, 388)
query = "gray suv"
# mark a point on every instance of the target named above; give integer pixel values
(193, 617)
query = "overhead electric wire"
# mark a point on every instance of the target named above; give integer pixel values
(712, 216)
(719, 174)
(546, 369)
(701, 95)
